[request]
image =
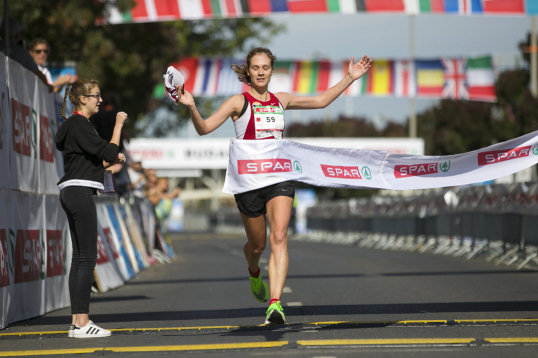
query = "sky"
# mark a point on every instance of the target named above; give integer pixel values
(340, 36)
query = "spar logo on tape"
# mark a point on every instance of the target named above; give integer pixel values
(341, 171)
(413, 170)
(346, 172)
(497, 156)
(264, 166)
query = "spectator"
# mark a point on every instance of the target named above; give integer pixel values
(137, 178)
(16, 50)
(39, 49)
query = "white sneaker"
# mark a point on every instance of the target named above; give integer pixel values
(90, 330)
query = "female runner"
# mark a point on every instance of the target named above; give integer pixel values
(259, 114)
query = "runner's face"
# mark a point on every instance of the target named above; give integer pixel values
(260, 70)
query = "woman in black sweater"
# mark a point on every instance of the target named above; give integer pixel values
(85, 156)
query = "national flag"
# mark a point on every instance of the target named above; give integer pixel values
(264, 7)
(513, 7)
(191, 9)
(385, 5)
(226, 8)
(455, 86)
(167, 9)
(430, 78)
(282, 78)
(188, 68)
(404, 79)
(207, 8)
(202, 73)
(338, 71)
(464, 7)
(211, 75)
(342, 6)
(144, 10)
(218, 7)
(531, 7)
(304, 79)
(324, 74)
(480, 79)
(307, 6)
(381, 78)
(430, 6)
(227, 83)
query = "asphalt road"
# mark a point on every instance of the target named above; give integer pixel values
(340, 301)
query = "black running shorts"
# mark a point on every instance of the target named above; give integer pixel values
(252, 203)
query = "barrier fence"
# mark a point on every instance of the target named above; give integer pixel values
(35, 246)
(497, 221)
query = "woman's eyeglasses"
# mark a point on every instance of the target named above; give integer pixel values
(96, 96)
(40, 50)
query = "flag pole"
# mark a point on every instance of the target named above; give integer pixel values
(412, 98)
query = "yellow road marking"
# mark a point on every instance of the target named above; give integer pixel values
(187, 347)
(502, 320)
(388, 341)
(325, 323)
(513, 340)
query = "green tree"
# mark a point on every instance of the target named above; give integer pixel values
(344, 127)
(129, 59)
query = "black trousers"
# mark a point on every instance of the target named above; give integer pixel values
(79, 206)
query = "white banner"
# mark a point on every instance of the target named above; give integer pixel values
(57, 255)
(257, 163)
(5, 124)
(23, 296)
(32, 115)
(108, 231)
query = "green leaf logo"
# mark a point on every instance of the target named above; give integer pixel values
(297, 167)
(366, 172)
(444, 166)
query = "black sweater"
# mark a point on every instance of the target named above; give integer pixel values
(83, 151)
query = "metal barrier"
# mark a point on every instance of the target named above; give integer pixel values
(499, 222)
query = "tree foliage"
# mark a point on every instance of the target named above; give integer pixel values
(344, 127)
(129, 59)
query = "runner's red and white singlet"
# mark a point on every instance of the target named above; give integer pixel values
(260, 120)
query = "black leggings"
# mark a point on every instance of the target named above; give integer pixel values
(79, 206)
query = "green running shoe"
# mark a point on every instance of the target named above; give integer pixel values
(259, 289)
(275, 314)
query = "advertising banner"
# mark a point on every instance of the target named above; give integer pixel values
(107, 273)
(109, 231)
(24, 151)
(57, 255)
(5, 124)
(24, 240)
(46, 129)
(128, 251)
(256, 163)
